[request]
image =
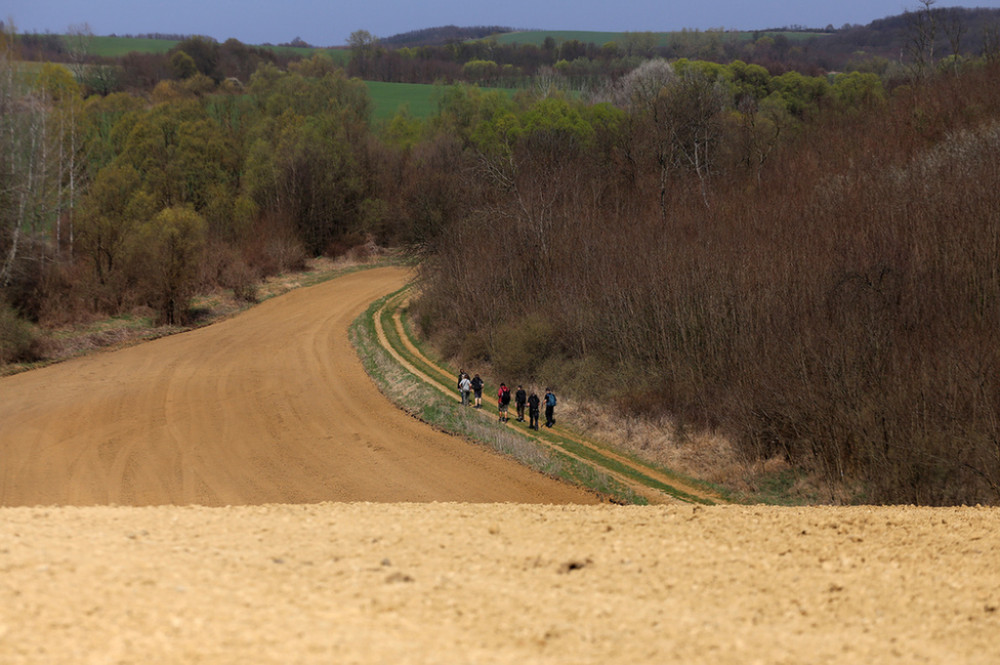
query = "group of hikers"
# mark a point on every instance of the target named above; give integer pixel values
(472, 389)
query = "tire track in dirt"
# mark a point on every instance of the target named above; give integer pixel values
(269, 406)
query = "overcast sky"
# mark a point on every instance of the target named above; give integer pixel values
(330, 22)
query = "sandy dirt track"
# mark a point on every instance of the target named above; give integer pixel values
(349, 559)
(271, 406)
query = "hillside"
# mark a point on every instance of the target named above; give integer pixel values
(442, 35)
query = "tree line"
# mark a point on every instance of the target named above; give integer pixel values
(888, 47)
(807, 263)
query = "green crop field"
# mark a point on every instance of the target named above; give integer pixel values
(389, 97)
(422, 99)
(114, 47)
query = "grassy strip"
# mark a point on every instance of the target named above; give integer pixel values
(569, 445)
(434, 358)
(392, 335)
(433, 407)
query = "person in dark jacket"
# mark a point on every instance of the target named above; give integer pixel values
(550, 407)
(520, 399)
(533, 403)
(477, 390)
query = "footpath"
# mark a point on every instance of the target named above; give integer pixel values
(647, 483)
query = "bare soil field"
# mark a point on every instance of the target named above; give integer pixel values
(243, 494)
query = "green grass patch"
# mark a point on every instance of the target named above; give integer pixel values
(775, 489)
(388, 98)
(115, 47)
(422, 98)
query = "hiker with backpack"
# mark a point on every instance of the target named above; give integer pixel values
(465, 386)
(533, 403)
(477, 390)
(550, 407)
(520, 398)
(503, 401)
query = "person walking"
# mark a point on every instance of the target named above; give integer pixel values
(465, 387)
(520, 398)
(533, 403)
(477, 390)
(503, 401)
(550, 407)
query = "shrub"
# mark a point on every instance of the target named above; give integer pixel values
(521, 346)
(18, 341)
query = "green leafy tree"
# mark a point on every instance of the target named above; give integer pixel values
(63, 152)
(204, 51)
(303, 169)
(404, 131)
(181, 153)
(182, 65)
(803, 95)
(110, 213)
(480, 71)
(857, 90)
(750, 80)
(364, 51)
(169, 250)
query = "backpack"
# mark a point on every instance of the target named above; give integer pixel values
(505, 395)
(550, 399)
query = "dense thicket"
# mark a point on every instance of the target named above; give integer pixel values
(836, 304)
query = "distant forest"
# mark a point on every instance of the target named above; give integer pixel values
(445, 34)
(450, 54)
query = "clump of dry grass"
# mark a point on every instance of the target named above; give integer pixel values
(661, 441)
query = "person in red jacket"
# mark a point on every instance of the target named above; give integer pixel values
(503, 401)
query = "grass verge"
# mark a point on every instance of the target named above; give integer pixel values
(430, 405)
(606, 459)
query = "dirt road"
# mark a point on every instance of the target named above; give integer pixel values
(273, 407)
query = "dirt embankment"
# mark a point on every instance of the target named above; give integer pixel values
(272, 408)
